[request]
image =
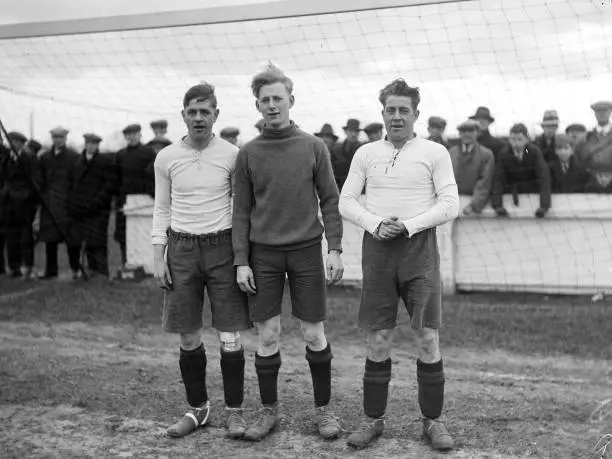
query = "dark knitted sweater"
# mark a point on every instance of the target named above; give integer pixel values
(278, 177)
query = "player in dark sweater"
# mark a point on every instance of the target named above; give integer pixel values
(277, 232)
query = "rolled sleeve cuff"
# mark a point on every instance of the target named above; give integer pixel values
(334, 244)
(159, 239)
(410, 227)
(371, 223)
(241, 259)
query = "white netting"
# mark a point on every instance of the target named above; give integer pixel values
(518, 57)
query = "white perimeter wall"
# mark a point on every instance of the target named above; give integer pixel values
(570, 251)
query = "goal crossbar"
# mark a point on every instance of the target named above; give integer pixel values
(214, 15)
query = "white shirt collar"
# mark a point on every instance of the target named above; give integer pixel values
(604, 129)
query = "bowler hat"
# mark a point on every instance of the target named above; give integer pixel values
(352, 125)
(327, 131)
(482, 113)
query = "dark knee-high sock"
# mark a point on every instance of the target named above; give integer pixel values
(232, 371)
(431, 388)
(193, 371)
(320, 370)
(376, 387)
(267, 369)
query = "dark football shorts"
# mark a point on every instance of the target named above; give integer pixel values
(199, 262)
(406, 268)
(306, 273)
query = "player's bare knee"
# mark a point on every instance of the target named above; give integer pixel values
(191, 341)
(379, 345)
(314, 335)
(230, 341)
(428, 344)
(269, 335)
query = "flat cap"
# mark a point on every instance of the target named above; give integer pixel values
(373, 127)
(436, 122)
(59, 131)
(132, 128)
(576, 127)
(159, 124)
(91, 137)
(14, 135)
(34, 146)
(602, 105)
(230, 132)
(469, 125)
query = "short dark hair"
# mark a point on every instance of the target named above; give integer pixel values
(399, 87)
(271, 74)
(519, 128)
(201, 92)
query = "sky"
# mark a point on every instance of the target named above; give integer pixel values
(518, 57)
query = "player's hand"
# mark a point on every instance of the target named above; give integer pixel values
(390, 228)
(246, 279)
(334, 267)
(162, 273)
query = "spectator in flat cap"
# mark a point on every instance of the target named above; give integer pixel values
(19, 179)
(595, 153)
(474, 167)
(33, 146)
(160, 130)
(93, 185)
(343, 152)
(374, 131)
(567, 176)
(577, 134)
(134, 176)
(230, 134)
(546, 141)
(520, 169)
(327, 135)
(55, 224)
(436, 127)
(484, 118)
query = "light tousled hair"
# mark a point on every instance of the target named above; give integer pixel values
(269, 75)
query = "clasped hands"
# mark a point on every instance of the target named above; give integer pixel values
(389, 229)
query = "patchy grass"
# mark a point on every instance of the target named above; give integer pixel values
(86, 373)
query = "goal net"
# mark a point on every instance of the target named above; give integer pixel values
(517, 57)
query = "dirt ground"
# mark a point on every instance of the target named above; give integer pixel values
(86, 372)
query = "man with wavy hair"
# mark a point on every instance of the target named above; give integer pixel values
(283, 178)
(410, 190)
